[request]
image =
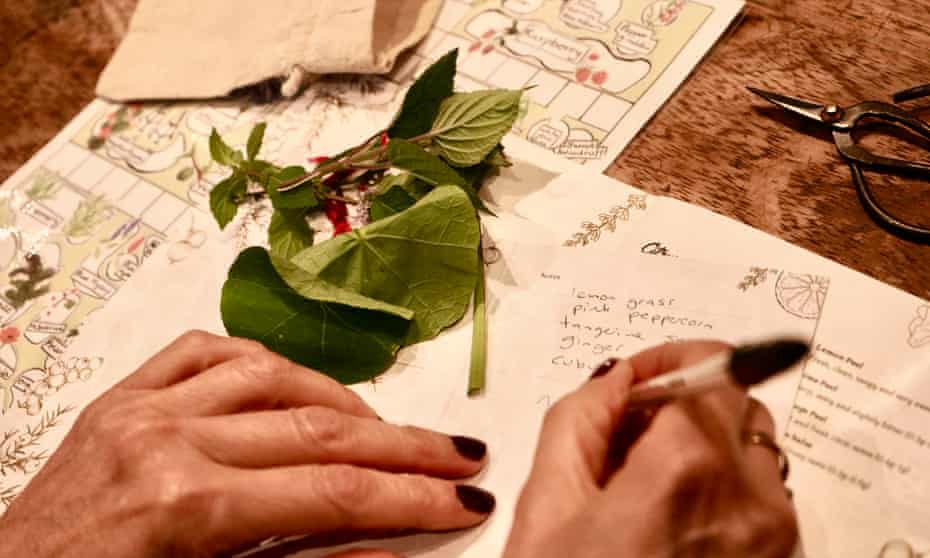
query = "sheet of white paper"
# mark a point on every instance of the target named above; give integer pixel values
(856, 426)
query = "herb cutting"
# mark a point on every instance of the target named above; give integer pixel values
(345, 306)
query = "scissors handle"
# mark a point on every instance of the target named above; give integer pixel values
(886, 220)
(847, 146)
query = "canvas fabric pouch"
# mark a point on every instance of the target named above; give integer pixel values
(197, 49)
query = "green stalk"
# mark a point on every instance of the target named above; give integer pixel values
(479, 334)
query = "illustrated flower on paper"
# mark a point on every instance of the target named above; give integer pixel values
(9, 334)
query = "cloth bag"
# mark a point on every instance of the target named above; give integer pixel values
(197, 49)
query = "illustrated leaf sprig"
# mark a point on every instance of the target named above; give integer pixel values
(347, 305)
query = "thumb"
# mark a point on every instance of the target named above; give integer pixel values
(578, 430)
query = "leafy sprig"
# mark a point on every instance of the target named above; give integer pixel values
(399, 280)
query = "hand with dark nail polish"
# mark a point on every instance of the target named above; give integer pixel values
(216, 443)
(666, 482)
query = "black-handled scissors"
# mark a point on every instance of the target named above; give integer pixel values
(843, 121)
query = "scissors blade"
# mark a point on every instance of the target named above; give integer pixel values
(807, 109)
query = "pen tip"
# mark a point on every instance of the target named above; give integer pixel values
(752, 364)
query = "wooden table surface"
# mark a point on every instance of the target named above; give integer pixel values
(713, 144)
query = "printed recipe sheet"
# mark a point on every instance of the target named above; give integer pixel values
(595, 70)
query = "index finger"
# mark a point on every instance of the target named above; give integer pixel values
(189, 354)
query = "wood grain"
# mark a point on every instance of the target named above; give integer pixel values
(716, 145)
(713, 144)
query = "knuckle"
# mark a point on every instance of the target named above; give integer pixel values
(764, 531)
(128, 428)
(560, 412)
(260, 369)
(323, 428)
(196, 339)
(174, 494)
(348, 490)
(695, 466)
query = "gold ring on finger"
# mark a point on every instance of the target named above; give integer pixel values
(764, 439)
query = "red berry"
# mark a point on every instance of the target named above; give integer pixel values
(599, 77)
(487, 49)
(594, 56)
(384, 138)
(474, 46)
(582, 74)
(487, 34)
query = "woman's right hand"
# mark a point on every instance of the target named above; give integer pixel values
(680, 483)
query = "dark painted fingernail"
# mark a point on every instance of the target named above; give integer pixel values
(379, 418)
(475, 499)
(470, 448)
(603, 368)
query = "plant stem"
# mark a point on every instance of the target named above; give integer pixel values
(479, 334)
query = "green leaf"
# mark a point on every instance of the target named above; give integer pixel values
(413, 185)
(470, 125)
(348, 344)
(394, 200)
(477, 175)
(223, 196)
(431, 169)
(303, 197)
(424, 259)
(421, 104)
(422, 164)
(255, 140)
(289, 233)
(222, 153)
(497, 158)
(312, 287)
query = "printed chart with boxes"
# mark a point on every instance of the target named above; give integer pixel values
(585, 64)
(88, 211)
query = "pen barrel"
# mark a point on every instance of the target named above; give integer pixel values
(710, 373)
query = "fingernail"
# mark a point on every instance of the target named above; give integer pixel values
(379, 418)
(603, 368)
(470, 448)
(475, 499)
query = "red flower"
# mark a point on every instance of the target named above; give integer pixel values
(337, 212)
(9, 334)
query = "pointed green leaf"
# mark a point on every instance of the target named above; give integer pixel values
(222, 153)
(470, 125)
(394, 200)
(421, 104)
(348, 344)
(422, 164)
(424, 259)
(255, 140)
(430, 168)
(303, 197)
(223, 196)
(289, 233)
